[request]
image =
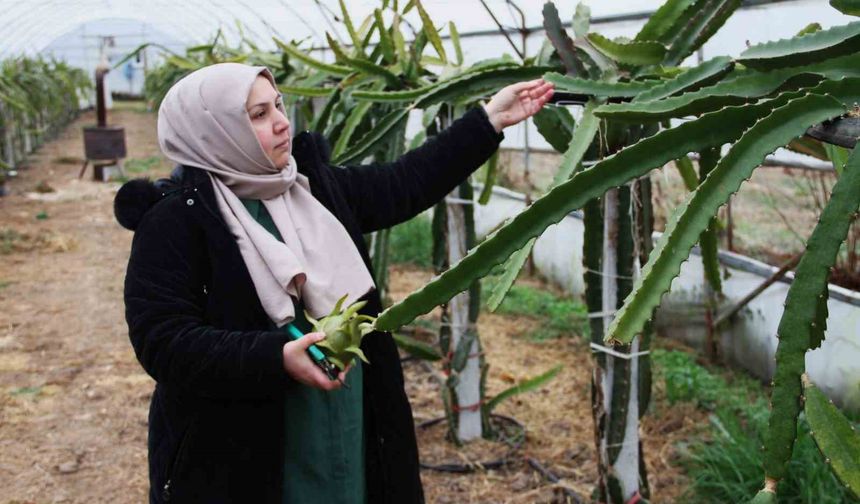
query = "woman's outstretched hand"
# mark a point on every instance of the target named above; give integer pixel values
(518, 101)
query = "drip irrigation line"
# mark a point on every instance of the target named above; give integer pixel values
(477, 466)
(546, 473)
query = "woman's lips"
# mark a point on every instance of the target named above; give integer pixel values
(283, 145)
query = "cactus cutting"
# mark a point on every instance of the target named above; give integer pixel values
(344, 328)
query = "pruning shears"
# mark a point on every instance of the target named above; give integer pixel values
(318, 357)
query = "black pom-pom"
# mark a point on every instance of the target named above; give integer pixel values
(133, 200)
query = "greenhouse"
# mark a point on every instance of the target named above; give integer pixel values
(395, 251)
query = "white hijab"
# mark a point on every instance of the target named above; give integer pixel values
(203, 122)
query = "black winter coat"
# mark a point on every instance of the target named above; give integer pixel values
(197, 326)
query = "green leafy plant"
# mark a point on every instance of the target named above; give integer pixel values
(687, 381)
(38, 97)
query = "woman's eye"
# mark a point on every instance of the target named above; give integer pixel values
(260, 114)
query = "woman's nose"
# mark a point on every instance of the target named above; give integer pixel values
(281, 122)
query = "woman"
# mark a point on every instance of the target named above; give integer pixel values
(251, 229)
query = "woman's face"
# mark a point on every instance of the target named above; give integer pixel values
(266, 111)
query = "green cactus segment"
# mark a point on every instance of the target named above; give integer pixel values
(845, 90)
(708, 159)
(361, 64)
(630, 53)
(581, 20)
(461, 353)
(809, 48)
(837, 68)
(663, 24)
(709, 130)
(555, 125)
(733, 91)
(386, 42)
(834, 435)
(511, 271)
(470, 83)
(743, 86)
(466, 87)
(645, 371)
(524, 386)
(455, 41)
(783, 124)
(344, 329)
(430, 30)
(698, 25)
(764, 497)
(312, 92)
(350, 28)
(798, 328)
(710, 257)
(582, 138)
(705, 74)
(596, 88)
(850, 7)
(352, 122)
(592, 257)
(816, 337)
(644, 212)
(295, 52)
(492, 168)
(407, 95)
(617, 415)
(321, 122)
(374, 137)
(561, 40)
(687, 172)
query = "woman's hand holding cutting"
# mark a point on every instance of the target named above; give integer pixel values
(518, 101)
(301, 368)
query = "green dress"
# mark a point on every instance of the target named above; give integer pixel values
(324, 431)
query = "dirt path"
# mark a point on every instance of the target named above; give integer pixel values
(74, 401)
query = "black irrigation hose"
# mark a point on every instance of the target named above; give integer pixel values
(467, 468)
(546, 473)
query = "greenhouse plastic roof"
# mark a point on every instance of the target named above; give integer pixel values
(29, 26)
